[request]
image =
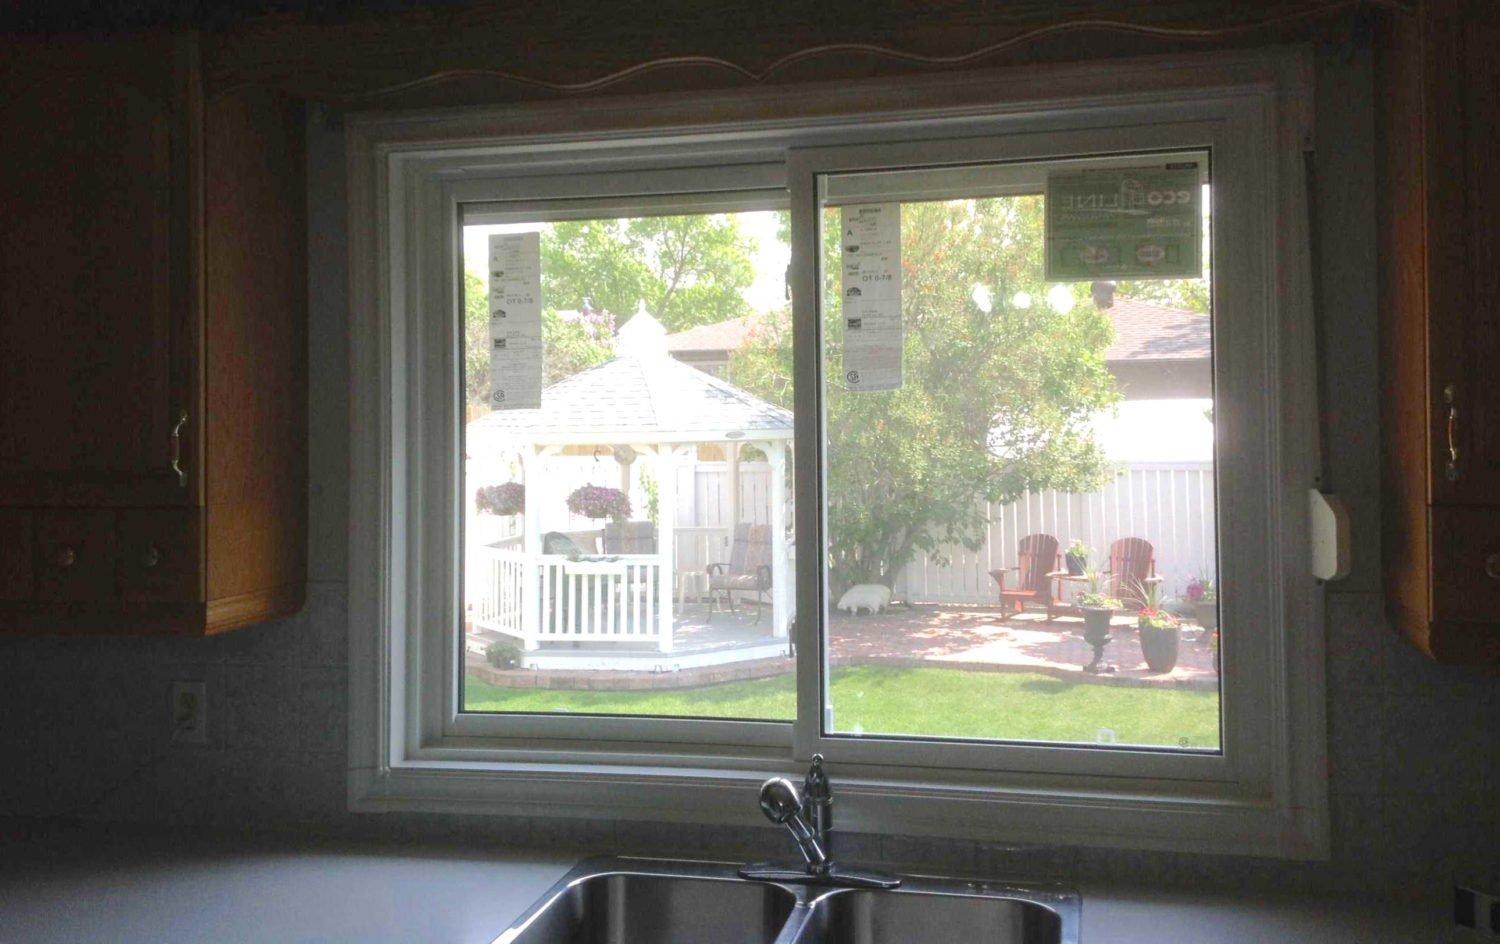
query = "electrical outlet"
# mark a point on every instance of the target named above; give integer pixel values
(1477, 913)
(190, 712)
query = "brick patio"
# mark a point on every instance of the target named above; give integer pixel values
(974, 638)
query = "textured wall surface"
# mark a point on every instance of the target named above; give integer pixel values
(1414, 748)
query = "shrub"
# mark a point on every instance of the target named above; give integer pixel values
(502, 655)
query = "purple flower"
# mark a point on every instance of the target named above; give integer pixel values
(506, 499)
(597, 501)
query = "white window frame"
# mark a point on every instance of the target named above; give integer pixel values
(410, 747)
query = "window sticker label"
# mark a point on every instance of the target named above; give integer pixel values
(516, 321)
(870, 243)
(1142, 223)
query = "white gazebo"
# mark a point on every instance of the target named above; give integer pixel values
(616, 610)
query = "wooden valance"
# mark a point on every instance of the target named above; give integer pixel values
(490, 51)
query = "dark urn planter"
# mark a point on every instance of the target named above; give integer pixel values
(1096, 634)
(1076, 564)
(1159, 646)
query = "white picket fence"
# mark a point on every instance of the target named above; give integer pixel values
(1169, 504)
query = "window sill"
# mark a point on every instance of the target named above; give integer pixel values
(1180, 817)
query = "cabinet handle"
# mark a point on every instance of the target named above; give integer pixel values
(65, 557)
(182, 419)
(1492, 566)
(1449, 395)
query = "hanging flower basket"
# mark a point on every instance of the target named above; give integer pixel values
(508, 498)
(597, 501)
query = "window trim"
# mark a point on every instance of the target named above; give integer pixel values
(404, 752)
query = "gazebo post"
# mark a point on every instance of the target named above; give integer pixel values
(732, 455)
(775, 451)
(666, 537)
(531, 544)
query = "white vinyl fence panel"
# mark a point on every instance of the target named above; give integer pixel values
(1169, 504)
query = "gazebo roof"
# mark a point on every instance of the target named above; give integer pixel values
(642, 396)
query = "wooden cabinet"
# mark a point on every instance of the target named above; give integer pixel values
(1437, 106)
(153, 323)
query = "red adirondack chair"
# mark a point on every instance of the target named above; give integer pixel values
(1132, 562)
(1036, 559)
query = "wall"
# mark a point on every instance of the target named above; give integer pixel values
(1415, 753)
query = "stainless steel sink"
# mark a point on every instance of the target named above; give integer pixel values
(657, 901)
(909, 915)
(620, 901)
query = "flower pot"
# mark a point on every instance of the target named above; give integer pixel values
(1096, 634)
(1206, 615)
(1096, 622)
(1076, 564)
(1159, 646)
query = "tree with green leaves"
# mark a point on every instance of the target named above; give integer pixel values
(687, 270)
(997, 400)
(571, 341)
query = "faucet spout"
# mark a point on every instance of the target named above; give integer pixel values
(808, 815)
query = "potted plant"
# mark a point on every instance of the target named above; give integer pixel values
(1098, 608)
(598, 502)
(508, 498)
(1159, 630)
(1077, 558)
(1204, 597)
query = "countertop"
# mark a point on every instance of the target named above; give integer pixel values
(105, 885)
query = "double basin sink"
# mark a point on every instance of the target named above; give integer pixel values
(652, 901)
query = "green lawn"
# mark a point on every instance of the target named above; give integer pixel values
(934, 702)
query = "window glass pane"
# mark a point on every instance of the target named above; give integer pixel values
(626, 543)
(1020, 472)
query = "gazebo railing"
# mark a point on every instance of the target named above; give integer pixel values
(624, 600)
(498, 605)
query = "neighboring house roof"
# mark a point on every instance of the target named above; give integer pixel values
(642, 396)
(1145, 331)
(721, 337)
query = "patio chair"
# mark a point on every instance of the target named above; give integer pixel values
(1132, 563)
(630, 537)
(748, 569)
(1036, 560)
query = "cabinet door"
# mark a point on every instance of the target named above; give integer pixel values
(1464, 275)
(17, 563)
(97, 272)
(159, 553)
(75, 556)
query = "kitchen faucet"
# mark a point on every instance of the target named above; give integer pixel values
(808, 815)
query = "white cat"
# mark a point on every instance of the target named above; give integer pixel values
(865, 596)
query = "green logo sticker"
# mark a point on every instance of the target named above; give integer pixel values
(1140, 223)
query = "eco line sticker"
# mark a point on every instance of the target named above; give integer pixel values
(515, 321)
(870, 244)
(1136, 223)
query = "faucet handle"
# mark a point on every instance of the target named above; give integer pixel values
(779, 800)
